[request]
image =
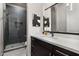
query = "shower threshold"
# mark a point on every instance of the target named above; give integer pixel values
(14, 46)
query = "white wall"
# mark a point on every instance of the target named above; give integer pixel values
(1, 29)
(33, 8)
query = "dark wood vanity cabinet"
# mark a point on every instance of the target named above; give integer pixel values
(41, 48)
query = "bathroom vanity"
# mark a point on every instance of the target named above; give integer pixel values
(53, 46)
(59, 19)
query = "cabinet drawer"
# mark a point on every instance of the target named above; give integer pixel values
(59, 53)
(66, 52)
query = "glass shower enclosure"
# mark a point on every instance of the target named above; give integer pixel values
(15, 24)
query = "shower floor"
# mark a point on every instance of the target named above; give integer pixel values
(14, 46)
(17, 52)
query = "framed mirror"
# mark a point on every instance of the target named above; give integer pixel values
(65, 18)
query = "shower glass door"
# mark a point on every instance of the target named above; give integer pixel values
(16, 24)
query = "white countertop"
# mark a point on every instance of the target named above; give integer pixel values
(66, 43)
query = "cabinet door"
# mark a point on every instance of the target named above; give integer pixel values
(37, 48)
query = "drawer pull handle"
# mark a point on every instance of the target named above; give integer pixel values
(61, 53)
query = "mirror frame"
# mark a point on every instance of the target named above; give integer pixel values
(58, 31)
